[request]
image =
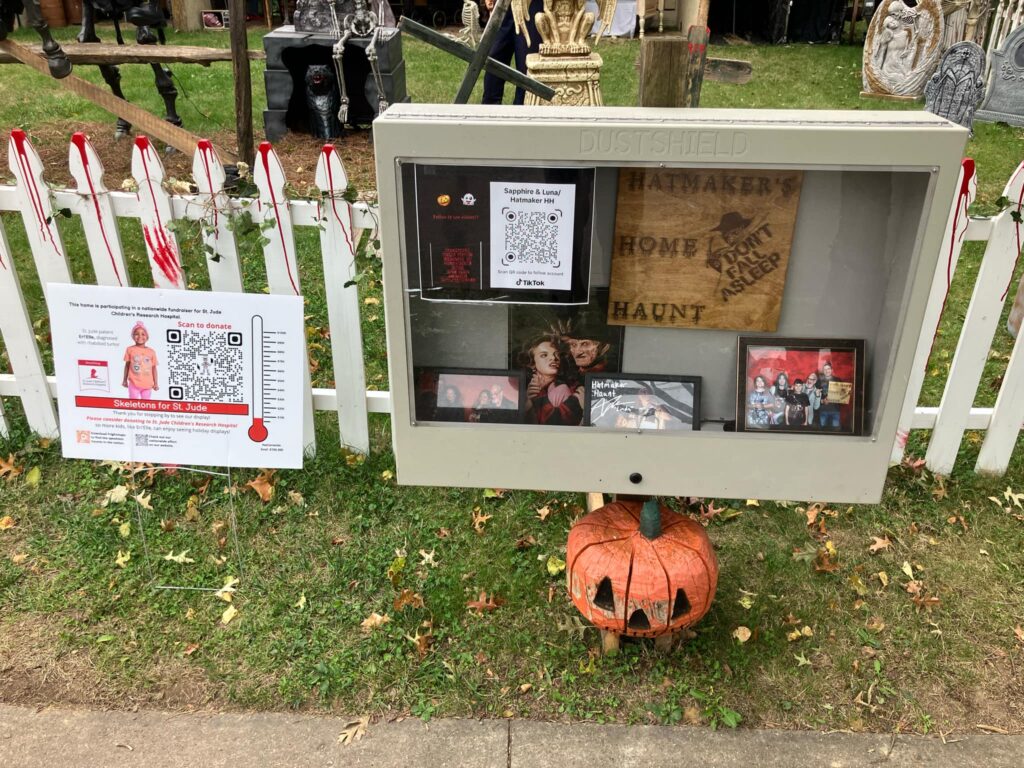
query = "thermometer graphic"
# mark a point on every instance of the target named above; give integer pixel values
(257, 431)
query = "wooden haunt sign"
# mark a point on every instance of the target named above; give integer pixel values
(702, 247)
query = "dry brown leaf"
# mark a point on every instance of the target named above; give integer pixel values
(7, 522)
(229, 613)
(442, 533)
(422, 642)
(354, 730)
(479, 520)
(823, 562)
(525, 542)
(294, 497)
(742, 634)
(484, 603)
(1019, 633)
(879, 543)
(167, 525)
(927, 602)
(8, 469)
(408, 598)
(543, 513)
(143, 499)
(374, 621)
(190, 649)
(691, 715)
(20, 557)
(914, 587)
(262, 485)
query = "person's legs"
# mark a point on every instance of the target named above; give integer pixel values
(503, 50)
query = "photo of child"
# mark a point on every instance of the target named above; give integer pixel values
(140, 377)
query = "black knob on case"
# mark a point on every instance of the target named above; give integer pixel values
(636, 478)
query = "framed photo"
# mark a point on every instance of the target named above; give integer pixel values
(633, 401)
(216, 20)
(556, 348)
(470, 396)
(800, 385)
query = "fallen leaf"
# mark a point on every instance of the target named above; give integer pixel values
(7, 522)
(807, 631)
(192, 509)
(8, 468)
(422, 642)
(35, 475)
(229, 613)
(124, 530)
(1019, 633)
(753, 503)
(408, 598)
(167, 525)
(742, 634)
(386, 475)
(543, 513)
(823, 562)
(143, 499)
(908, 569)
(371, 300)
(182, 557)
(442, 533)
(494, 493)
(296, 498)
(883, 577)
(374, 621)
(926, 601)
(227, 592)
(812, 514)
(122, 558)
(879, 543)
(801, 660)
(555, 565)
(19, 557)
(427, 558)
(262, 485)
(479, 520)
(300, 604)
(190, 649)
(791, 620)
(747, 599)
(115, 495)
(939, 492)
(483, 603)
(395, 570)
(525, 542)
(914, 587)
(1016, 498)
(794, 635)
(858, 585)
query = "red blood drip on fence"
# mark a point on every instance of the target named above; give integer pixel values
(20, 147)
(265, 150)
(328, 149)
(160, 246)
(78, 140)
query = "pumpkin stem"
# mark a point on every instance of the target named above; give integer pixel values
(650, 519)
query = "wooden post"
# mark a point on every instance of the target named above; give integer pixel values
(187, 14)
(672, 69)
(697, 51)
(243, 82)
(663, 62)
(853, 20)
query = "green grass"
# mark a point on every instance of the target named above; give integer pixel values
(69, 613)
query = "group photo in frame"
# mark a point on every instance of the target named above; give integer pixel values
(470, 396)
(556, 347)
(800, 385)
(635, 402)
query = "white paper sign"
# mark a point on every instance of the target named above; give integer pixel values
(531, 235)
(179, 377)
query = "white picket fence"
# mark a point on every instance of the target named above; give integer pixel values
(338, 223)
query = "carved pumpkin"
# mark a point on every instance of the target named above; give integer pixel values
(640, 569)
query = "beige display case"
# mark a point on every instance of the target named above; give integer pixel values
(876, 190)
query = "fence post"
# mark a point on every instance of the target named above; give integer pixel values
(218, 240)
(22, 350)
(155, 214)
(37, 211)
(279, 254)
(952, 244)
(979, 327)
(338, 249)
(101, 232)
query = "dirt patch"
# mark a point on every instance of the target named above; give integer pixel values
(298, 153)
(36, 668)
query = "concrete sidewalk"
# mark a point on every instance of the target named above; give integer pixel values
(59, 738)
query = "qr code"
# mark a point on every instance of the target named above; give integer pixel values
(205, 366)
(531, 237)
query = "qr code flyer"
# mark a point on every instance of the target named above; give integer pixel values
(184, 377)
(531, 235)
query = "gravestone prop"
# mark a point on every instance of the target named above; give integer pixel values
(958, 85)
(565, 61)
(290, 55)
(477, 58)
(1004, 101)
(902, 48)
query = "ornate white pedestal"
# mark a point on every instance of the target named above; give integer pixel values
(576, 79)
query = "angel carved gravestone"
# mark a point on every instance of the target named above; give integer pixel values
(902, 48)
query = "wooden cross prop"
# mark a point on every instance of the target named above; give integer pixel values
(478, 59)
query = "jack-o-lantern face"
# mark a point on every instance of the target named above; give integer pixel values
(624, 582)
